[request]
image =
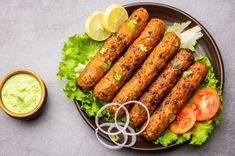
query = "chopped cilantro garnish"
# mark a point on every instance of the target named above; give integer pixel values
(103, 50)
(137, 129)
(174, 63)
(115, 138)
(187, 72)
(117, 76)
(106, 65)
(132, 24)
(141, 107)
(142, 47)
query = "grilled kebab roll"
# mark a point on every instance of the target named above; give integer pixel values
(161, 86)
(174, 101)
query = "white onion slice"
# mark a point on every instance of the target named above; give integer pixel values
(110, 136)
(100, 111)
(120, 126)
(108, 145)
(145, 126)
(133, 137)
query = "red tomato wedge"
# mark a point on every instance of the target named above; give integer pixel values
(184, 121)
(205, 103)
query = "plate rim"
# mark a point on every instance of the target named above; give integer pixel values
(217, 52)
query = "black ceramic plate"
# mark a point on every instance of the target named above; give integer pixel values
(206, 46)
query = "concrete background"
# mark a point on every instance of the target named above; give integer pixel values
(32, 35)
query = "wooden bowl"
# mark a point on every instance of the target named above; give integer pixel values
(36, 111)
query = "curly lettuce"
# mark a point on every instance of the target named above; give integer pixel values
(178, 27)
(201, 130)
(79, 49)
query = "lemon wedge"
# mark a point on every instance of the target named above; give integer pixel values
(94, 27)
(113, 17)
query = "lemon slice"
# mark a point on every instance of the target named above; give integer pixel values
(114, 16)
(94, 27)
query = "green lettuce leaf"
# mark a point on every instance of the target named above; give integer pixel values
(178, 27)
(166, 138)
(183, 138)
(79, 49)
(201, 131)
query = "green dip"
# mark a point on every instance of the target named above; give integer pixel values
(21, 93)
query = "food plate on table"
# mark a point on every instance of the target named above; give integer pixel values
(205, 46)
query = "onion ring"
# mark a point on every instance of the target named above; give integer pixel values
(145, 126)
(100, 111)
(120, 126)
(107, 145)
(133, 137)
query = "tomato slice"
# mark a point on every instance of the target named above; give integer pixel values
(205, 103)
(184, 121)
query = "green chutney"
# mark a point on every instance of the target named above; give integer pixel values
(21, 93)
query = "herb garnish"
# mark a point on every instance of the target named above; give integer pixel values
(106, 65)
(117, 76)
(143, 47)
(103, 50)
(115, 138)
(132, 24)
(187, 72)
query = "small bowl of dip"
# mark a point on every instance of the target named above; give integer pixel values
(22, 94)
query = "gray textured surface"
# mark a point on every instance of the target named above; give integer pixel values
(32, 35)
